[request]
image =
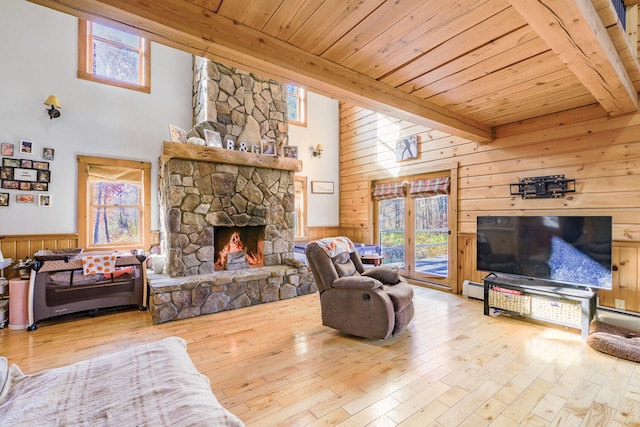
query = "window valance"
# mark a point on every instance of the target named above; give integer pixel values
(429, 187)
(391, 190)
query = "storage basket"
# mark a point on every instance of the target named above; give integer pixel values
(512, 302)
(558, 310)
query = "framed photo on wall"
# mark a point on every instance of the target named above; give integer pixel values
(407, 148)
(4, 199)
(26, 147)
(322, 187)
(44, 200)
(7, 149)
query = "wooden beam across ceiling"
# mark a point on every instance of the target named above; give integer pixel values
(190, 26)
(574, 31)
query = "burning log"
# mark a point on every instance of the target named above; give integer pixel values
(236, 260)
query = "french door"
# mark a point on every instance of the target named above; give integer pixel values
(414, 230)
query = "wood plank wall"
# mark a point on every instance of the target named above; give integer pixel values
(25, 246)
(601, 153)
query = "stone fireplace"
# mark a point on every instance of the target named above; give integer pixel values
(206, 195)
(227, 215)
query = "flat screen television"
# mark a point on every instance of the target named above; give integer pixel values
(571, 250)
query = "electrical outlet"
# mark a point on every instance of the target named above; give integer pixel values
(620, 304)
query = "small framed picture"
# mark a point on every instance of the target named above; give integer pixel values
(4, 199)
(10, 185)
(40, 186)
(11, 163)
(44, 176)
(25, 198)
(290, 151)
(213, 138)
(47, 153)
(407, 148)
(25, 186)
(268, 147)
(28, 164)
(7, 149)
(6, 173)
(43, 166)
(177, 134)
(322, 187)
(44, 200)
(26, 147)
(25, 174)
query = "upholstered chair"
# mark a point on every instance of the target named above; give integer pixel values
(373, 303)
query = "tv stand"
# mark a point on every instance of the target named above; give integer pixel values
(549, 302)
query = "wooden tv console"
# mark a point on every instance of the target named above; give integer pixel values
(563, 305)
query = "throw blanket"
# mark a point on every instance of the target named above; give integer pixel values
(98, 264)
(153, 384)
(336, 245)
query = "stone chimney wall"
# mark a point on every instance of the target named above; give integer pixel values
(241, 106)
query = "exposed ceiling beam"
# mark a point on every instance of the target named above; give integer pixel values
(574, 31)
(193, 28)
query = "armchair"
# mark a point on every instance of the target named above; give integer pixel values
(373, 303)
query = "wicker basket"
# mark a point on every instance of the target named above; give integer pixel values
(518, 303)
(558, 310)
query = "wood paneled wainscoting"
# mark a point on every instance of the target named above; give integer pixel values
(356, 234)
(25, 245)
(625, 261)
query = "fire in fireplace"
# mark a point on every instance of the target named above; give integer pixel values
(238, 247)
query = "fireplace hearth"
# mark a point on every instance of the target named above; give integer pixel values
(238, 247)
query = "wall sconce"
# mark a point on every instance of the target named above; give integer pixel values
(317, 152)
(54, 103)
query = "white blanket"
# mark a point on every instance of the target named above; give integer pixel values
(153, 384)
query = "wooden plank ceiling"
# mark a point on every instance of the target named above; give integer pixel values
(461, 66)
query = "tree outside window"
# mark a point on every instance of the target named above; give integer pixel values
(113, 203)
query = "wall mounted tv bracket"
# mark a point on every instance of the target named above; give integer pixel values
(540, 187)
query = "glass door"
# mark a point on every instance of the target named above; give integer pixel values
(392, 233)
(431, 236)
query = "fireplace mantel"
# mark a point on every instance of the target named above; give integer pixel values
(175, 150)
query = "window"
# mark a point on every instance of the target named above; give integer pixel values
(114, 200)
(297, 99)
(114, 57)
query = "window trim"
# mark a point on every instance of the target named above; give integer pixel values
(302, 106)
(302, 219)
(84, 223)
(84, 62)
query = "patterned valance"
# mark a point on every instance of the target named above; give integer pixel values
(392, 190)
(429, 187)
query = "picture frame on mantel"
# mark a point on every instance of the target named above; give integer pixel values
(322, 187)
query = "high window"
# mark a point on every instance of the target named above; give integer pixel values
(114, 200)
(109, 55)
(297, 99)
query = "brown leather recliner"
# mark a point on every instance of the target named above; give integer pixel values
(373, 303)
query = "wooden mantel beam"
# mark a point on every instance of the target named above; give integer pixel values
(575, 32)
(189, 26)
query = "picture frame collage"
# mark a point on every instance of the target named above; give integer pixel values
(23, 174)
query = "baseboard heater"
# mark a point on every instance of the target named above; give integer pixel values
(473, 290)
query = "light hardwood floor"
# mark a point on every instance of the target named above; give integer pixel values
(275, 364)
